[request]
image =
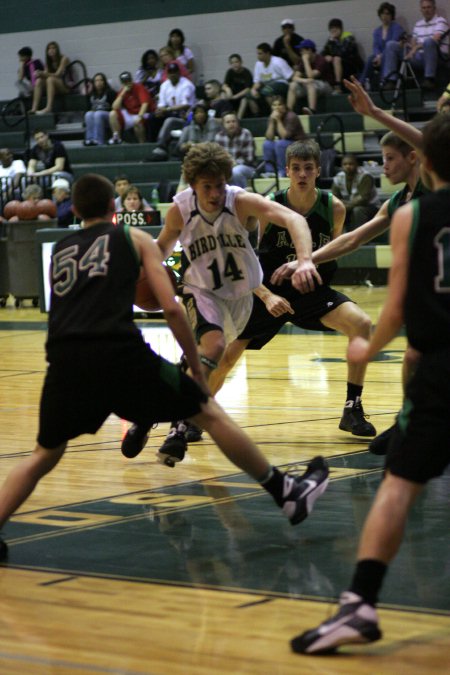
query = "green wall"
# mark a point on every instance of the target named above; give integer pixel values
(32, 15)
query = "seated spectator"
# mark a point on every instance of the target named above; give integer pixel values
(176, 98)
(237, 84)
(132, 200)
(149, 73)
(312, 77)
(216, 99)
(130, 110)
(61, 197)
(51, 79)
(239, 143)
(48, 158)
(356, 189)
(121, 185)
(287, 45)
(270, 78)
(96, 119)
(11, 172)
(32, 193)
(422, 52)
(26, 75)
(342, 52)
(283, 128)
(201, 129)
(388, 31)
(167, 56)
(182, 53)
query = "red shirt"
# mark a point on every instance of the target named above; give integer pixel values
(134, 98)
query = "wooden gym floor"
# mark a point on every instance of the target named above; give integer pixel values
(128, 567)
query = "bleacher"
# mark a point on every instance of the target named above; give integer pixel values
(334, 116)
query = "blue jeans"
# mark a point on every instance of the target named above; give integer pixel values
(425, 59)
(241, 174)
(97, 121)
(274, 154)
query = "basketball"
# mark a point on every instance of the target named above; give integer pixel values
(144, 297)
(48, 207)
(27, 210)
(10, 209)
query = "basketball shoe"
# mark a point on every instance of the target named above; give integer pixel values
(356, 622)
(354, 420)
(380, 444)
(134, 441)
(300, 493)
(193, 433)
(3, 549)
(174, 447)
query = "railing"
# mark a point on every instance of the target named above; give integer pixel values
(335, 141)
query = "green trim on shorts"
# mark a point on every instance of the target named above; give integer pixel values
(404, 415)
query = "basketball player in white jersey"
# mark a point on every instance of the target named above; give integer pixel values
(212, 221)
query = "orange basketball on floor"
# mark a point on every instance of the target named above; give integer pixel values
(47, 206)
(27, 211)
(10, 209)
(144, 296)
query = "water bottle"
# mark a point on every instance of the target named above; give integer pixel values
(154, 198)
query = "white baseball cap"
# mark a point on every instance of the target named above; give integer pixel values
(61, 183)
(287, 22)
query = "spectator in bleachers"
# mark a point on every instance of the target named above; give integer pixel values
(61, 197)
(355, 187)
(130, 109)
(216, 99)
(270, 78)
(176, 98)
(237, 84)
(97, 118)
(283, 128)
(48, 158)
(53, 79)
(313, 77)
(132, 200)
(342, 52)
(444, 98)
(167, 56)
(389, 30)
(239, 143)
(201, 129)
(121, 185)
(287, 45)
(11, 172)
(182, 53)
(424, 49)
(149, 73)
(26, 75)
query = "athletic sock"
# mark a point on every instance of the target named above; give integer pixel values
(354, 391)
(273, 482)
(368, 579)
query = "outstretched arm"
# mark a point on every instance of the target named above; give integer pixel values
(363, 104)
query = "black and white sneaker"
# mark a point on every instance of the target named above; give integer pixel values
(300, 493)
(3, 549)
(354, 420)
(174, 447)
(380, 444)
(356, 622)
(193, 433)
(134, 441)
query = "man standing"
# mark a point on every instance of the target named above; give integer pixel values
(423, 51)
(212, 220)
(176, 98)
(419, 296)
(277, 302)
(98, 359)
(239, 144)
(130, 110)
